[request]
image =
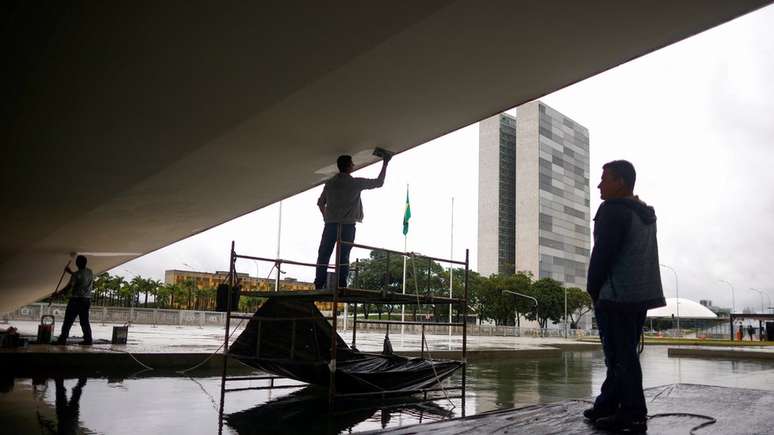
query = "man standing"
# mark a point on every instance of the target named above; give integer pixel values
(81, 285)
(624, 281)
(340, 206)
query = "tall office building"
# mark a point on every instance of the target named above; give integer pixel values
(533, 195)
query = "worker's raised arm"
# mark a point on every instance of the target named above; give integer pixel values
(373, 183)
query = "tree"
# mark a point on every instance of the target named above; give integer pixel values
(550, 296)
(578, 303)
(110, 287)
(474, 284)
(163, 296)
(101, 287)
(495, 304)
(423, 276)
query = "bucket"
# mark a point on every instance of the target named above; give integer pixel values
(120, 334)
(45, 329)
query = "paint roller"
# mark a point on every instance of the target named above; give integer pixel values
(384, 154)
(61, 277)
(91, 254)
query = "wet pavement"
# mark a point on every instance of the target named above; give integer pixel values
(163, 402)
(184, 339)
(673, 409)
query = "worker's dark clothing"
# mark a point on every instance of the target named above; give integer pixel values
(81, 283)
(76, 307)
(68, 412)
(621, 392)
(327, 243)
(624, 268)
(80, 288)
(624, 281)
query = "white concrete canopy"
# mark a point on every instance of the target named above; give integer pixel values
(128, 126)
(688, 310)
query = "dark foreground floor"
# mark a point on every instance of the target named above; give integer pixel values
(673, 409)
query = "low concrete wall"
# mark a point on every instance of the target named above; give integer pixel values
(472, 330)
(154, 316)
(149, 316)
(734, 354)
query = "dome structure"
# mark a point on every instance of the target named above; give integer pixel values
(688, 310)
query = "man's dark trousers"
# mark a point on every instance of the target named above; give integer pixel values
(76, 307)
(620, 333)
(327, 243)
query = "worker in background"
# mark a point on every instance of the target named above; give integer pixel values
(80, 287)
(340, 206)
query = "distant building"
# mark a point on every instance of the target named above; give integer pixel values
(533, 193)
(249, 283)
(721, 312)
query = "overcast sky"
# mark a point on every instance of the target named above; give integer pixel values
(695, 118)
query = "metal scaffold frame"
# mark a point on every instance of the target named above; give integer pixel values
(337, 295)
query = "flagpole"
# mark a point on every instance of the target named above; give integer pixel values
(451, 265)
(403, 306)
(405, 248)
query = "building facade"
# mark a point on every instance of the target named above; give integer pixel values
(533, 211)
(249, 283)
(251, 286)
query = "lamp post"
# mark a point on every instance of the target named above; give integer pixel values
(536, 307)
(565, 313)
(768, 296)
(677, 297)
(761, 294)
(733, 303)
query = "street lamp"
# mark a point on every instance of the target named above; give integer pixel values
(536, 308)
(761, 294)
(677, 297)
(766, 292)
(733, 303)
(565, 313)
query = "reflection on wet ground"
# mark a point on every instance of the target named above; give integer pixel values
(153, 402)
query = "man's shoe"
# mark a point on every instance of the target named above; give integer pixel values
(619, 424)
(593, 414)
(60, 343)
(85, 343)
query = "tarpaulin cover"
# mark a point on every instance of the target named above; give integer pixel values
(294, 412)
(292, 339)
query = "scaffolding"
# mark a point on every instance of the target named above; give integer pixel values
(336, 296)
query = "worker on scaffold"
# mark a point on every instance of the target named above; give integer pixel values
(340, 205)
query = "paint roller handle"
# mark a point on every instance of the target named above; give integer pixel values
(61, 277)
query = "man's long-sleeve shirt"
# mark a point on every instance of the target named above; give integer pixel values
(340, 198)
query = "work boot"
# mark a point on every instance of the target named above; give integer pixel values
(593, 414)
(616, 423)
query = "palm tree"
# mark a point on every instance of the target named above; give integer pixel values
(152, 287)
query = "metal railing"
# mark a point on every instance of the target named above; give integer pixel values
(343, 295)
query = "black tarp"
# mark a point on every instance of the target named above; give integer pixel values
(294, 412)
(292, 339)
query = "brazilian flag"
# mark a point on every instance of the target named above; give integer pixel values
(406, 214)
